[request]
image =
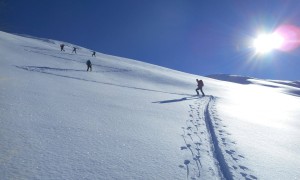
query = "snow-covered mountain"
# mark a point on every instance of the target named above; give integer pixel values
(132, 120)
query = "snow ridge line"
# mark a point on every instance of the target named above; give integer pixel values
(223, 166)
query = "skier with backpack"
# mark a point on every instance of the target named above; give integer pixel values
(200, 86)
(62, 47)
(74, 50)
(89, 65)
(94, 53)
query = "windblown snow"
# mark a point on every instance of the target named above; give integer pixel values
(132, 120)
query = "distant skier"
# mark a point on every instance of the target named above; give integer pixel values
(94, 54)
(62, 47)
(89, 65)
(200, 86)
(74, 50)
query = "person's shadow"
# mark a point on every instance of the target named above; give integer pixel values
(178, 100)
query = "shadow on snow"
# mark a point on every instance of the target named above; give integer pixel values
(178, 100)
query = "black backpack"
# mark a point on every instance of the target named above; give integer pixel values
(88, 63)
(201, 83)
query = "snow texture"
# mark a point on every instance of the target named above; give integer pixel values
(132, 120)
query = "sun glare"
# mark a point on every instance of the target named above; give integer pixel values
(265, 43)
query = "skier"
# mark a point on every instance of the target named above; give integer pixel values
(200, 86)
(62, 47)
(94, 54)
(74, 50)
(89, 65)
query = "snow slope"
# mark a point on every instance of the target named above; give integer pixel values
(132, 120)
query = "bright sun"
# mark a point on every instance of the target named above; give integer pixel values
(265, 43)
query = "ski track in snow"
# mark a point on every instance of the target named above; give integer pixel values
(210, 153)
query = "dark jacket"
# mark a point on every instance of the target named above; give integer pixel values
(88, 63)
(200, 83)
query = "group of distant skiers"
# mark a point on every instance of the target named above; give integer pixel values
(62, 46)
(200, 83)
(88, 62)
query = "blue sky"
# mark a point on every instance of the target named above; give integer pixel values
(195, 36)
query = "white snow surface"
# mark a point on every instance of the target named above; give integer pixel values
(132, 120)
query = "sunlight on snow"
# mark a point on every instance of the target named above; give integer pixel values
(257, 107)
